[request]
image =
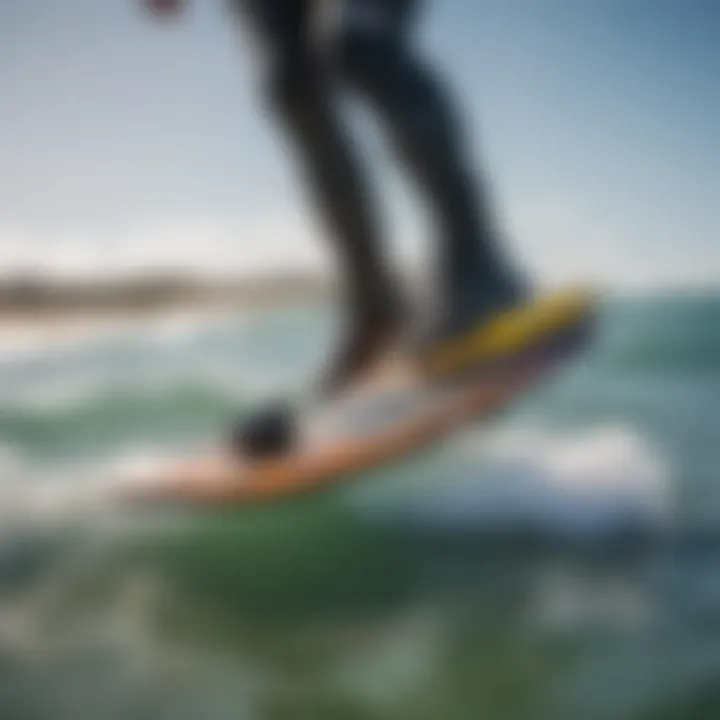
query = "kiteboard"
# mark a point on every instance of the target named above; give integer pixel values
(400, 411)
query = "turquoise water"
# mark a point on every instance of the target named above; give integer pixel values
(560, 563)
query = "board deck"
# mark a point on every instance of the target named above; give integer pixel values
(381, 423)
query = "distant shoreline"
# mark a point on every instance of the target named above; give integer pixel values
(34, 301)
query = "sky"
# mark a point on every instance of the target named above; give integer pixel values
(126, 143)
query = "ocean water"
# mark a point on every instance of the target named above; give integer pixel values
(559, 562)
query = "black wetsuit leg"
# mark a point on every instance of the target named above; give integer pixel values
(301, 94)
(379, 59)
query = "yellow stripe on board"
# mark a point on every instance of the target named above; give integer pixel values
(511, 331)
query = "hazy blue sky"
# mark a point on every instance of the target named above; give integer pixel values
(124, 141)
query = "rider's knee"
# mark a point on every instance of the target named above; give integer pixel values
(295, 89)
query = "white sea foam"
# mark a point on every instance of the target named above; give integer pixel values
(23, 343)
(589, 483)
(165, 356)
(39, 498)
